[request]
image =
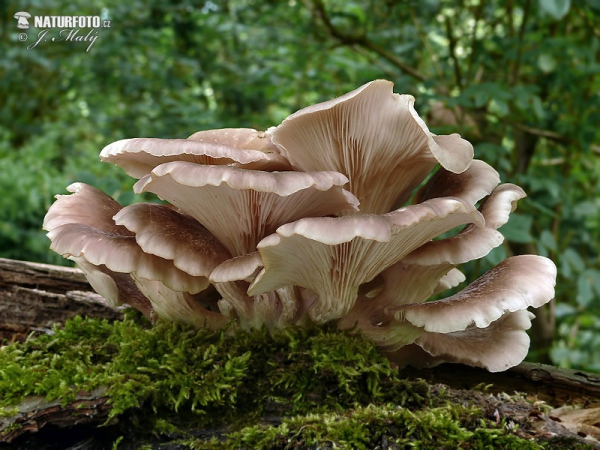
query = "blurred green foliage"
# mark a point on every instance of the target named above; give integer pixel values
(518, 78)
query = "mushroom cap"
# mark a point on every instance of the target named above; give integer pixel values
(475, 183)
(116, 288)
(22, 14)
(375, 138)
(240, 138)
(243, 267)
(78, 226)
(140, 155)
(333, 256)
(472, 242)
(161, 231)
(87, 206)
(501, 345)
(426, 271)
(239, 207)
(515, 284)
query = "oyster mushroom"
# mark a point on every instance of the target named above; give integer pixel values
(333, 256)
(265, 228)
(81, 227)
(243, 148)
(376, 139)
(239, 207)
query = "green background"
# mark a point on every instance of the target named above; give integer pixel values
(519, 79)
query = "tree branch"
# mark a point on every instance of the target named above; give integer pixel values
(517, 67)
(363, 41)
(423, 37)
(452, 49)
(477, 17)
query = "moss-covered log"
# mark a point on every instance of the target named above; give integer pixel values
(173, 386)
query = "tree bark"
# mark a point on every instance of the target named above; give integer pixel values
(37, 296)
(34, 297)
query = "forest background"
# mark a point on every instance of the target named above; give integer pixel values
(518, 78)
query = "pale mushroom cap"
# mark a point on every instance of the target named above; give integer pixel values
(243, 267)
(116, 288)
(87, 206)
(500, 346)
(239, 207)
(515, 284)
(475, 183)
(121, 254)
(333, 256)
(161, 231)
(375, 138)
(240, 138)
(100, 281)
(139, 156)
(81, 225)
(472, 242)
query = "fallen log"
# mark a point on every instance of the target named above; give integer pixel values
(34, 297)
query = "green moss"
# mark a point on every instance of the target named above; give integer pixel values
(220, 378)
(367, 427)
(333, 389)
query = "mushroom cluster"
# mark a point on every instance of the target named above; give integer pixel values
(326, 217)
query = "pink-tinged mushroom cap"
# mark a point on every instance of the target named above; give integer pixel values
(239, 268)
(161, 231)
(515, 284)
(240, 138)
(116, 288)
(239, 207)
(87, 206)
(333, 256)
(140, 155)
(472, 242)
(421, 274)
(475, 183)
(85, 231)
(501, 345)
(376, 139)
(121, 254)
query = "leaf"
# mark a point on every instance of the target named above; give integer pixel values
(547, 240)
(594, 4)
(572, 258)
(546, 62)
(565, 310)
(518, 229)
(555, 8)
(585, 294)
(500, 107)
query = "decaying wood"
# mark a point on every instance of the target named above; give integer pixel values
(548, 383)
(35, 413)
(36, 296)
(573, 395)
